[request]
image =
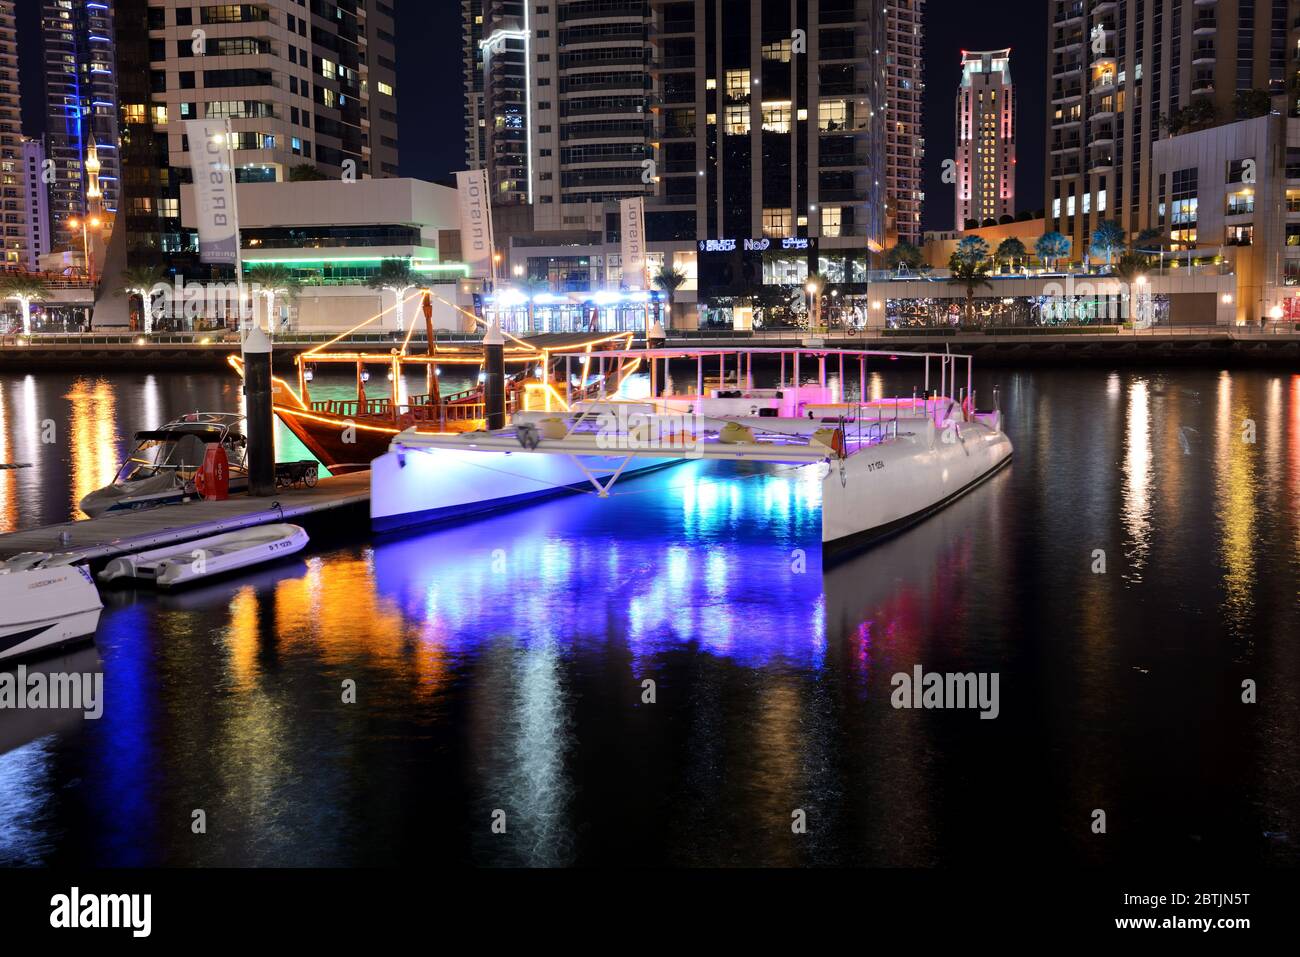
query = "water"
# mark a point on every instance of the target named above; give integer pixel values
(499, 666)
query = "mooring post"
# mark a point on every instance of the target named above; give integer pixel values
(655, 339)
(494, 381)
(258, 413)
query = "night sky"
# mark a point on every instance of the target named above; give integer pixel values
(431, 93)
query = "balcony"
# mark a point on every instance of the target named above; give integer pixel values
(1065, 145)
(1061, 94)
(1065, 169)
(1101, 161)
(1103, 135)
(1069, 13)
(1204, 25)
(1203, 54)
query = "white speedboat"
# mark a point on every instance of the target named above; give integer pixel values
(206, 557)
(45, 602)
(161, 469)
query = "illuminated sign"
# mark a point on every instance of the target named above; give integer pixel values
(757, 245)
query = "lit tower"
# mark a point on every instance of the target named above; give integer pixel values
(986, 138)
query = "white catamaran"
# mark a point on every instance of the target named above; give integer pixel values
(890, 461)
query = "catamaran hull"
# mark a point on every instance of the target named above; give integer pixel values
(45, 608)
(884, 489)
(422, 486)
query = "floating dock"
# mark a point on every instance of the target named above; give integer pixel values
(121, 533)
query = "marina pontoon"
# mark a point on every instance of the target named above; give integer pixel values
(888, 462)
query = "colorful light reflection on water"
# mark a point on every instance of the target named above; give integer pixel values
(500, 665)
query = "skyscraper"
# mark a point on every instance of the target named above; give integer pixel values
(1115, 69)
(986, 138)
(300, 83)
(769, 120)
(14, 253)
(36, 202)
(557, 104)
(80, 106)
(472, 70)
(904, 145)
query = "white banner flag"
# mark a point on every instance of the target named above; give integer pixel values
(214, 191)
(476, 242)
(632, 234)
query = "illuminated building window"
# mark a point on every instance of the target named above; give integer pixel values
(779, 50)
(776, 116)
(737, 119)
(738, 83)
(777, 222)
(832, 114)
(832, 220)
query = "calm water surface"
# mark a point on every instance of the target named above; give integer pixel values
(499, 665)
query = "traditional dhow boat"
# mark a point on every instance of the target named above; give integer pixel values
(346, 434)
(888, 463)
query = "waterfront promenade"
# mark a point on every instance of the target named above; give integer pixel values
(1274, 342)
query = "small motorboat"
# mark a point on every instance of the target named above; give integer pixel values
(161, 469)
(45, 602)
(206, 557)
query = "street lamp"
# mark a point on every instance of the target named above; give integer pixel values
(814, 288)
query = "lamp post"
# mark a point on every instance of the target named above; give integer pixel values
(814, 288)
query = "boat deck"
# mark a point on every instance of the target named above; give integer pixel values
(126, 532)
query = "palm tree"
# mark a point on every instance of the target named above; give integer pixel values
(142, 281)
(972, 249)
(397, 277)
(970, 274)
(272, 281)
(904, 255)
(1051, 246)
(1010, 250)
(668, 278)
(1107, 239)
(26, 290)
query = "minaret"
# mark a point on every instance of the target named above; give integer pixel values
(94, 198)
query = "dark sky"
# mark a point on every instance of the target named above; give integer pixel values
(431, 92)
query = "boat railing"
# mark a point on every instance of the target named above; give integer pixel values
(352, 408)
(419, 409)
